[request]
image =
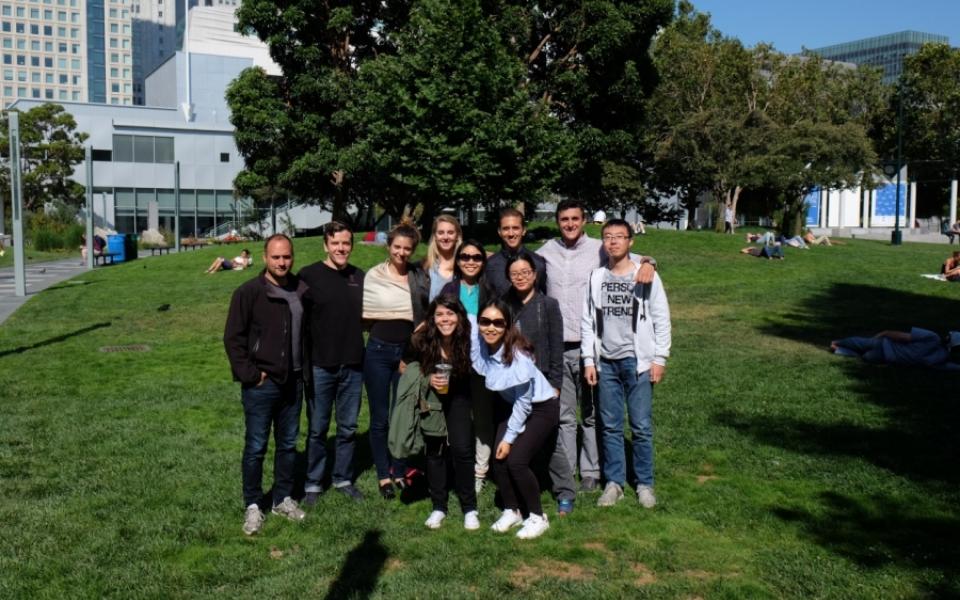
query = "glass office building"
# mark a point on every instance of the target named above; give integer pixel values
(885, 51)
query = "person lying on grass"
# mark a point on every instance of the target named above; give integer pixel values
(238, 263)
(768, 252)
(918, 347)
(822, 240)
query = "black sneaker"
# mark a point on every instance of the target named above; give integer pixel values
(311, 498)
(350, 491)
(589, 484)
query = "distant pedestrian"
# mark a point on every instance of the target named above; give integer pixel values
(728, 218)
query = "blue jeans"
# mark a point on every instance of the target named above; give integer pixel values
(620, 383)
(380, 363)
(332, 387)
(263, 406)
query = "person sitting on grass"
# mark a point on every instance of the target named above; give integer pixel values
(768, 252)
(951, 267)
(918, 347)
(238, 263)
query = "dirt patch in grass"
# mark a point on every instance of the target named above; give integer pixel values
(394, 564)
(526, 575)
(598, 547)
(702, 479)
(697, 312)
(643, 573)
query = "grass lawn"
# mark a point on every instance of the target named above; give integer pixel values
(782, 470)
(36, 256)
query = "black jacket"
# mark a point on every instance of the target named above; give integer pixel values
(486, 292)
(257, 335)
(540, 321)
(419, 281)
(496, 271)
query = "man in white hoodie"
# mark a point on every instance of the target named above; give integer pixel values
(625, 342)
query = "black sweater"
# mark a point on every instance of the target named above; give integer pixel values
(336, 298)
(540, 322)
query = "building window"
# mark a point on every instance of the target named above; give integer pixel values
(224, 157)
(48, 94)
(115, 88)
(35, 92)
(34, 29)
(47, 30)
(101, 155)
(5, 26)
(7, 11)
(48, 62)
(20, 28)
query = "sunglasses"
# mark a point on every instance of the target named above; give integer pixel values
(470, 257)
(496, 323)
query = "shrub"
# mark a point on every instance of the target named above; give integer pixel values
(45, 240)
(73, 236)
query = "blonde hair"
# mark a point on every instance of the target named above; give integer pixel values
(433, 253)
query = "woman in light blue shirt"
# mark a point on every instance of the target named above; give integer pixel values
(526, 412)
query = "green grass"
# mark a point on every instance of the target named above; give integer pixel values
(36, 256)
(782, 470)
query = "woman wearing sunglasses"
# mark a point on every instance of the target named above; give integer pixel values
(445, 339)
(526, 410)
(539, 320)
(469, 283)
(470, 286)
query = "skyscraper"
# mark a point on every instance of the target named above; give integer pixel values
(885, 51)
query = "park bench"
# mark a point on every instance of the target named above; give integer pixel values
(105, 258)
(192, 245)
(154, 250)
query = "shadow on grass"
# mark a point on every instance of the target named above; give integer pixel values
(917, 440)
(55, 340)
(878, 530)
(361, 569)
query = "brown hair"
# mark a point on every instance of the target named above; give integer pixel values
(404, 228)
(277, 236)
(334, 227)
(513, 340)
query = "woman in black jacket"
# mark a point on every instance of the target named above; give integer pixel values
(469, 284)
(540, 321)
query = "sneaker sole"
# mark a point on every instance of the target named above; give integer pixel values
(512, 526)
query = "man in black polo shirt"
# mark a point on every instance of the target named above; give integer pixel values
(511, 230)
(335, 290)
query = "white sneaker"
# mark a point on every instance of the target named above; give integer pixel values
(435, 520)
(252, 520)
(289, 509)
(533, 527)
(612, 494)
(471, 521)
(507, 521)
(645, 496)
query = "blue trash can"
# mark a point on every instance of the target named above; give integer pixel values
(117, 245)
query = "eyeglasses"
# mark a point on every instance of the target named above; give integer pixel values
(615, 238)
(495, 323)
(470, 257)
(521, 274)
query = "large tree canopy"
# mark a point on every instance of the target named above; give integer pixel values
(446, 103)
(51, 148)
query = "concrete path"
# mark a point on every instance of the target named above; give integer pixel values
(40, 276)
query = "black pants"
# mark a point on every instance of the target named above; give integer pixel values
(458, 446)
(515, 479)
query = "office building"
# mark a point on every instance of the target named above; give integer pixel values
(885, 51)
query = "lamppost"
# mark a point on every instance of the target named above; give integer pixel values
(897, 237)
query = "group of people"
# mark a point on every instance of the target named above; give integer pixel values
(510, 347)
(770, 245)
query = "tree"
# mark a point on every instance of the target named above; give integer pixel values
(51, 148)
(702, 126)
(816, 136)
(930, 91)
(446, 122)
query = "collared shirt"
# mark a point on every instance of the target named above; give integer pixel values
(520, 383)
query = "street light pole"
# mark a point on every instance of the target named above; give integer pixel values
(176, 205)
(16, 204)
(88, 156)
(897, 237)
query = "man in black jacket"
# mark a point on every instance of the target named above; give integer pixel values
(264, 342)
(511, 230)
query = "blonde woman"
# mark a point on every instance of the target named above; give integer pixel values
(441, 252)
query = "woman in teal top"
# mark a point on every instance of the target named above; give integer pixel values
(469, 284)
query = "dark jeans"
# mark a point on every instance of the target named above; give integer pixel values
(263, 406)
(340, 387)
(515, 479)
(380, 376)
(458, 446)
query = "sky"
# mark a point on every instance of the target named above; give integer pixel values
(793, 24)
